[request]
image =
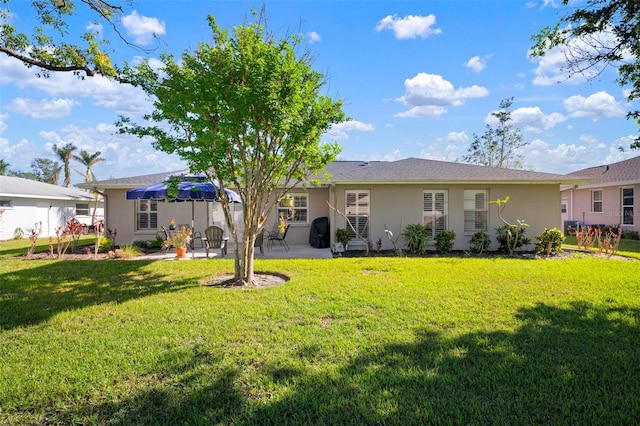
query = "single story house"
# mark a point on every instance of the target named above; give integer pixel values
(375, 196)
(25, 202)
(611, 197)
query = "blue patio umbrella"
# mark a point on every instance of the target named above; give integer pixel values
(189, 188)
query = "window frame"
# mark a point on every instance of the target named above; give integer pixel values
(6, 204)
(88, 209)
(362, 213)
(480, 215)
(627, 219)
(149, 213)
(296, 196)
(595, 201)
(430, 217)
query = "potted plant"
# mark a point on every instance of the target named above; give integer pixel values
(179, 240)
(343, 237)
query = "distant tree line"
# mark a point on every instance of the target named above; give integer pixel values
(49, 171)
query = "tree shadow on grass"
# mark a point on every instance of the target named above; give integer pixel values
(33, 295)
(574, 365)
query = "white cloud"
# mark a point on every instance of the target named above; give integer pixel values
(457, 137)
(430, 95)
(142, 28)
(553, 67)
(121, 98)
(409, 27)
(339, 131)
(44, 108)
(313, 37)
(477, 64)
(598, 105)
(530, 119)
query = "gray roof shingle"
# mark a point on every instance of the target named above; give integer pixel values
(622, 171)
(409, 170)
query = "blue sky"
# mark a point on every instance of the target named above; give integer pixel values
(418, 79)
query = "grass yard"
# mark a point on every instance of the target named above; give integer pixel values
(345, 341)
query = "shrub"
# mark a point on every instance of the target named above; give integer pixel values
(157, 243)
(444, 241)
(18, 233)
(631, 235)
(415, 236)
(343, 237)
(479, 242)
(105, 245)
(550, 241)
(511, 238)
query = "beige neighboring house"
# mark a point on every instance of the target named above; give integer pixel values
(375, 194)
(611, 198)
(25, 202)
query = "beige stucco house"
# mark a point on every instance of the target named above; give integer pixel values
(373, 195)
(612, 196)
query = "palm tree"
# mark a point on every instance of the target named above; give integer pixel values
(88, 160)
(4, 167)
(65, 153)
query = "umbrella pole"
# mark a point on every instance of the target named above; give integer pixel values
(193, 243)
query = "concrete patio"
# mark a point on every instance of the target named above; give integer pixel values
(276, 252)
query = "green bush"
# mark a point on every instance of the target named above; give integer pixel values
(479, 242)
(631, 235)
(415, 237)
(105, 245)
(343, 237)
(444, 241)
(18, 233)
(511, 238)
(550, 241)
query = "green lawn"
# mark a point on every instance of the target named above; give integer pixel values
(628, 248)
(345, 341)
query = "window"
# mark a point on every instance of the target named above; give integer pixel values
(146, 215)
(564, 207)
(298, 213)
(357, 212)
(82, 209)
(475, 210)
(596, 201)
(434, 211)
(627, 206)
(5, 203)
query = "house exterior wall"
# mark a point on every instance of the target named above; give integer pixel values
(538, 205)
(122, 216)
(579, 206)
(26, 212)
(391, 205)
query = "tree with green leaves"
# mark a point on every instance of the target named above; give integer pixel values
(42, 170)
(88, 160)
(53, 44)
(4, 167)
(245, 110)
(500, 145)
(595, 34)
(46, 170)
(65, 153)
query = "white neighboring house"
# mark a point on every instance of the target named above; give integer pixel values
(25, 202)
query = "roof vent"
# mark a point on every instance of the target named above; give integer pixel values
(365, 163)
(606, 170)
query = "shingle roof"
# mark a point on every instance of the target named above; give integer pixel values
(131, 181)
(623, 171)
(409, 170)
(423, 170)
(15, 187)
